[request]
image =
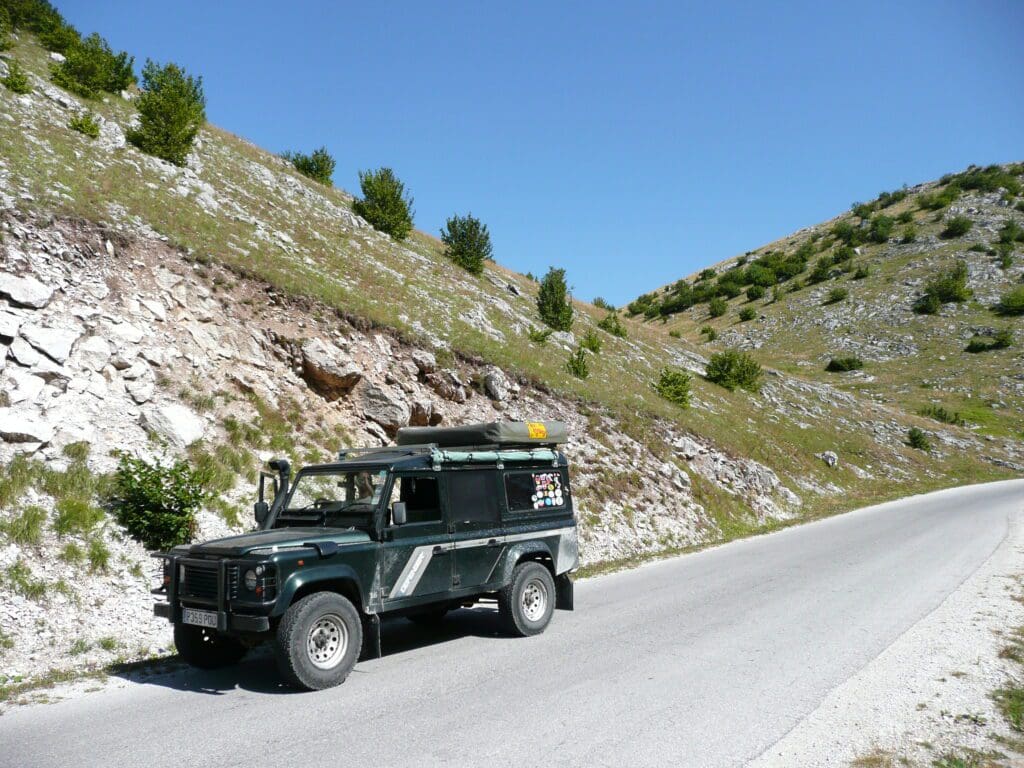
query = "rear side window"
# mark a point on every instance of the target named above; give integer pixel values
(529, 491)
(474, 496)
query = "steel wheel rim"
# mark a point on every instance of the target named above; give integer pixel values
(535, 599)
(327, 641)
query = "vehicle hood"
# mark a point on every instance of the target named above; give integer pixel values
(244, 543)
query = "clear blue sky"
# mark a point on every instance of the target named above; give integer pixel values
(628, 142)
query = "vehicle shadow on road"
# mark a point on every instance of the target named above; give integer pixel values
(258, 673)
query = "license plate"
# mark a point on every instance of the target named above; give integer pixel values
(199, 618)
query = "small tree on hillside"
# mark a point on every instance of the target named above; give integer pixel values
(5, 29)
(318, 166)
(16, 80)
(172, 109)
(468, 242)
(92, 66)
(553, 300)
(385, 203)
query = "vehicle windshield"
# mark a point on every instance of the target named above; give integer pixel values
(335, 499)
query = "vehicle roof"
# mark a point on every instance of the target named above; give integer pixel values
(415, 457)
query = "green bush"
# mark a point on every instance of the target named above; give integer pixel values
(674, 385)
(906, 217)
(85, 123)
(600, 303)
(836, 295)
(5, 29)
(709, 333)
(1012, 302)
(467, 242)
(385, 203)
(717, 307)
(881, 229)
(755, 292)
(822, 270)
(733, 368)
(675, 333)
(1011, 232)
(747, 314)
(91, 67)
(948, 286)
(611, 323)
(539, 335)
(863, 210)
(844, 364)
(25, 528)
(934, 201)
(553, 301)
(592, 341)
(958, 226)
(909, 235)
(1001, 339)
(862, 271)
(707, 274)
(16, 79)
(76, 515)
(916, 438)
(157, 504)
(318, 166)
(172, 109)
(577, 364)
(938, 413)
(99, 555)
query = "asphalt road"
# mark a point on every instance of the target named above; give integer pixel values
(703, 660)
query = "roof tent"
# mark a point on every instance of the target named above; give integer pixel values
(495, 433)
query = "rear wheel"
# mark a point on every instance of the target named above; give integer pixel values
(318, 641)
(206, 648)
(526, 604)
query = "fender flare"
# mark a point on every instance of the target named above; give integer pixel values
(318, 573)
(514, 553)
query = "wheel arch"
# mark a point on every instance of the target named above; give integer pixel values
(340, 580)
(527, 551)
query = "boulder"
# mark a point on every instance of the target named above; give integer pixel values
(496, 385)
(93, 353)
(425, 361)
(385, 407)
(25, 291)
(179, 425)
(22, 428)
(421, 413)
(141, 390)
(23, 353)
(55, 343)
(328, 371)
(447, 385)
(9, 324)
(831, 458)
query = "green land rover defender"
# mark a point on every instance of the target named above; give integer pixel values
(447, 517)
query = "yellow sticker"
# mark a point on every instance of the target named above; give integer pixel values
(537, 430)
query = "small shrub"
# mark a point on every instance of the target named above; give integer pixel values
(467, 242)
(77, 452)
(822, 270)
(747, 314)
(385, 203)
(19, 579)
(733, 368)
(916, 438)
(675, 333)
(16, 79)
(91, 66)
(709, 333)
(1011, 232)
(26, 528)
(577, 364)
(862, 271)
(1002, 339)
(72, 553)
(706, 274)
(318, 166)
(80, 646)
(85, 123)
(958, 226)
(909, 235)
(1012, 302)
(99, 555)
(611, 323)
(906, 217)
(755, 292)
(539, 335)
(717, 307)
(75, 515)
(600, 303)
(5, 30)
(881, 229)
(949, 286)
(674, 385)
(107, 643)
(844, 364)
(157, 504)
(938, 413)
(553, 302)
(977, 344)
(934, 201)
(172, 109)
(592, 341)
(1010, 700)
(836, 295)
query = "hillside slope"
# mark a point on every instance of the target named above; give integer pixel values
(232, 309)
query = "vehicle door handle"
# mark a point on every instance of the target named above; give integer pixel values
(439, 550)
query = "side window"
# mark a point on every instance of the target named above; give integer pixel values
(528, 491)
(473, 495)
(421, 497)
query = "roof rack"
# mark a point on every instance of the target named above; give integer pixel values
(495, 434)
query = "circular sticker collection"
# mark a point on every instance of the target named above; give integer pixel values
(547, 490)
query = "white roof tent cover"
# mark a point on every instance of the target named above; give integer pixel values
(495, 433)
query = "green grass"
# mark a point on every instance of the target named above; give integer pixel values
(25, 528)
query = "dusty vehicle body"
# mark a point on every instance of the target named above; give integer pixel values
(447, 517)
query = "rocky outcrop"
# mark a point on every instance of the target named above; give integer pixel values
(327, 369)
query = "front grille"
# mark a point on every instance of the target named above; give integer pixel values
(200, 580)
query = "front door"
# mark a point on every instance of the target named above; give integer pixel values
(417, 560)
(475, 501)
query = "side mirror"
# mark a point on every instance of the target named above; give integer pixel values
(398, 513)
(261, 510)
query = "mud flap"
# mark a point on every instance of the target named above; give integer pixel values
(563, 592)
(371, 637)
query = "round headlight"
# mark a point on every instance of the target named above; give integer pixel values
(250, 580)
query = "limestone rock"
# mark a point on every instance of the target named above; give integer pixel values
(93, 353)
(55, 343)
(25, 291)
(447, 385)
(496, 385)
(20, 428)
(178, 424)
(831, 458)
(383, 406)
(425, 361)
(328, 370)
(9, 324)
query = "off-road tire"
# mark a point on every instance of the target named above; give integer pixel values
(309, 647)
(525, 605)
(428, 618)
(206, 648)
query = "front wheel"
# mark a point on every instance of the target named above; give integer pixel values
(526, 604)
(206, 648)
(318, 641)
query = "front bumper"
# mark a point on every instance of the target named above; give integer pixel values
(226, 622)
